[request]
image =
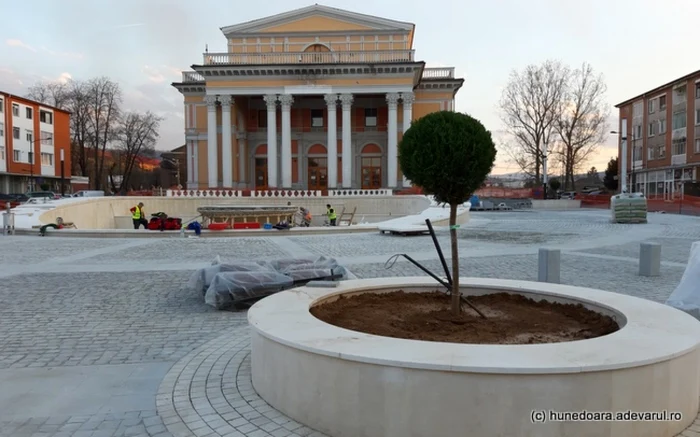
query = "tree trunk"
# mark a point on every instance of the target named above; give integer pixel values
(456, 301)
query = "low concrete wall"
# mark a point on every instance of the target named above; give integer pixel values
(113, 212)
(556, 204)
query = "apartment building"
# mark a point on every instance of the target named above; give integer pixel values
(662, 128)
(315, 98)
(34, 140)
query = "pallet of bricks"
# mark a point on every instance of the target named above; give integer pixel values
(628, 208)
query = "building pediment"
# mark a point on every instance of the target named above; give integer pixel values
(316, 18)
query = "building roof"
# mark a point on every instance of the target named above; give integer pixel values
(370, 21)
(33, 102)
(659, 88)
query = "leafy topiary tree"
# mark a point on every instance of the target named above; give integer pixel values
(554, 184)
(449, 155)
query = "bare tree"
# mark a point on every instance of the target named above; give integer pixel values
(72, 97)
(583, 122)
(103, 107)
(137, 135)
(530, 107)
(56, 94)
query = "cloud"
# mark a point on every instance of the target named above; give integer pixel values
(127, 26)
(63, 54)
(160, 74)
(20, 44)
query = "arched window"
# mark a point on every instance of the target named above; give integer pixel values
(315, 54)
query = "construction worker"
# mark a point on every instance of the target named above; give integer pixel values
(137, 216)
(330, 212)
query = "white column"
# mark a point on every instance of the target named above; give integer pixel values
(346, 101)
(286, 101)
(241, 136)
(242, 158)
(392, 101)
(212, 152)
(271, 101)
(190, 164)
(332, 143)
(407, 100)
(226, 143)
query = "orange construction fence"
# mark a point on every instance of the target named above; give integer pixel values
(672, 204)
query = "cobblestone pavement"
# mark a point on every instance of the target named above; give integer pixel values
(101, 337)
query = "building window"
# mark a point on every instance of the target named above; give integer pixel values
(697, 145)
(662, 103)
(370, 117)
(651, 106)
(47, 159)
(29, 113)
(2, 153)
(46, 117)
(30, 136)
(262, 118)
(637, 133)
(317, 118)
(17, 156)
(679, 146)
(679, 120)
(2, 105)
(15, 133)
(662, 126)
(697, 90)
(697, 116)
(2, 129)
(650, 132)
(46, 138)
(650, 153)
(662, 151)
(15, 109)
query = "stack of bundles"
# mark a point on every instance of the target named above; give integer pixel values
(233, 284)
(629, 208)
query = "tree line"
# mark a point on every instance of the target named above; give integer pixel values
(551, 110)
(98, 124)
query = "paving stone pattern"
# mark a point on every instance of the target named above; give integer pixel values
(195, 249)
(103, 310)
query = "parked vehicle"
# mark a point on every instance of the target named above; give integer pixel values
(50, 195)
(89, 193)
(568, 195)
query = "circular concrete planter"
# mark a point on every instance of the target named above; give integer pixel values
(347, 383)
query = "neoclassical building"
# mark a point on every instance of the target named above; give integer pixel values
(315, 98)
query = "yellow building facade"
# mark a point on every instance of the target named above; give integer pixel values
(312, 99)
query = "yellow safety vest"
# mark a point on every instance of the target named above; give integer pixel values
(331, 214)
(137, 213)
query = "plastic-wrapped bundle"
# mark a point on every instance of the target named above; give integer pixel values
(686, 296)
(290, 265)
(330, 274)
(202, 278)
(230, 288)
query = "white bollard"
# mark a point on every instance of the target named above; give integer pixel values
(649, 259)
(549, 266)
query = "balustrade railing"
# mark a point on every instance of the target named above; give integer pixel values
(438, 73)
(235, 193)
(191, 76)
(374, 56)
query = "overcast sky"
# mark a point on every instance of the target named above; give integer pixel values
(144, 44)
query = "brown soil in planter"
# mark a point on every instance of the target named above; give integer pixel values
(511, 318)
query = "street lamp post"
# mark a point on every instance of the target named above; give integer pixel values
(544, 173)
(63, 174)
(31, 170)
(623, 164)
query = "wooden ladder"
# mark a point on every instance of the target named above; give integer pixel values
(346, 217)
